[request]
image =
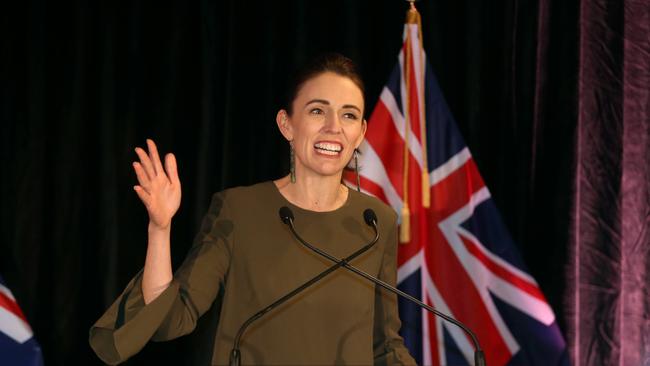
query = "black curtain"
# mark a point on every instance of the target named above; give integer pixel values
(83, 83)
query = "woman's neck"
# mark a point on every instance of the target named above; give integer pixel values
(314, 193)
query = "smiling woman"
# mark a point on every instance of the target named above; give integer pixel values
(325, 127)
(245, 252)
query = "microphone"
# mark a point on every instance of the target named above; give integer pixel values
(371, 219)
(369, 216)
(287, 217)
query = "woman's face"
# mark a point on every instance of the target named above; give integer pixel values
(326, 124)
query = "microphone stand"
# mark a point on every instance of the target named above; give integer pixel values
(235, 354)
(479, 357)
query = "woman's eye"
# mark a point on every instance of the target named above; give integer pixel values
(316, 111)
(350, 116)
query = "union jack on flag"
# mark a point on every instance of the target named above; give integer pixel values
(18, 347)
(456, 254)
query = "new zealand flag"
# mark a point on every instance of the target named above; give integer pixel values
(456, 253)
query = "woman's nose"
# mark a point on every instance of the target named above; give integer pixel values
(333, 123)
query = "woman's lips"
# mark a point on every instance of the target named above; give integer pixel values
(328, 148)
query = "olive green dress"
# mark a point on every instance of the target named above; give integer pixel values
(244, 249)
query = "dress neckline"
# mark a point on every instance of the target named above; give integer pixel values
(294, 207)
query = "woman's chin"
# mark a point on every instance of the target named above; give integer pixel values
(328, 171)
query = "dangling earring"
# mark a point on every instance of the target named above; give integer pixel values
(292, 162)
(356, 168)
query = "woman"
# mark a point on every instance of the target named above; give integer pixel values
(244, 250)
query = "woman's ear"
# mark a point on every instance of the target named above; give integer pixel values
(282, 119)
(364, 127)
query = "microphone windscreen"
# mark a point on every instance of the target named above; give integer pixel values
(370, 217)
(285, 214)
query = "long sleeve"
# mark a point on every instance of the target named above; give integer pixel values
(126, 327)
(388, 345)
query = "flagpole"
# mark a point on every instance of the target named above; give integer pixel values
(405, 226)
(413, 17)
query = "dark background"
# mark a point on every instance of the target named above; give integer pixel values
(83, 83)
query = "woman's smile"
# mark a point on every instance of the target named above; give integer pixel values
(328, 148)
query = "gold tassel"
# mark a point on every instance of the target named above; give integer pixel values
(426, 197)
(405, 226)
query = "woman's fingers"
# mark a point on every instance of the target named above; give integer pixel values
(158, 188)
(172, 169)
(144, 196)
(143, 179)
(146, 163)
(153, 155)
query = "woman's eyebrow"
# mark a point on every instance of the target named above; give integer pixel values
(323, 101)
(352, 106)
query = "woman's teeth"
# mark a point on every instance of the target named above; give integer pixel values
(328, 148)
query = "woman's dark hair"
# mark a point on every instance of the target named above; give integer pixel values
(329, 62)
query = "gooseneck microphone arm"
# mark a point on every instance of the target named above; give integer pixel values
(479, 357)
(235, 354)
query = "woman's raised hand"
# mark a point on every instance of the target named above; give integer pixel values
(159, 189)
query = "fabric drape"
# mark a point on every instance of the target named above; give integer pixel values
(609, 268)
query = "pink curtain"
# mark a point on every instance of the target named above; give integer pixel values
(608, 301)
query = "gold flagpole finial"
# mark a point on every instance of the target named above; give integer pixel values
(412, 15)
(411, 4)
